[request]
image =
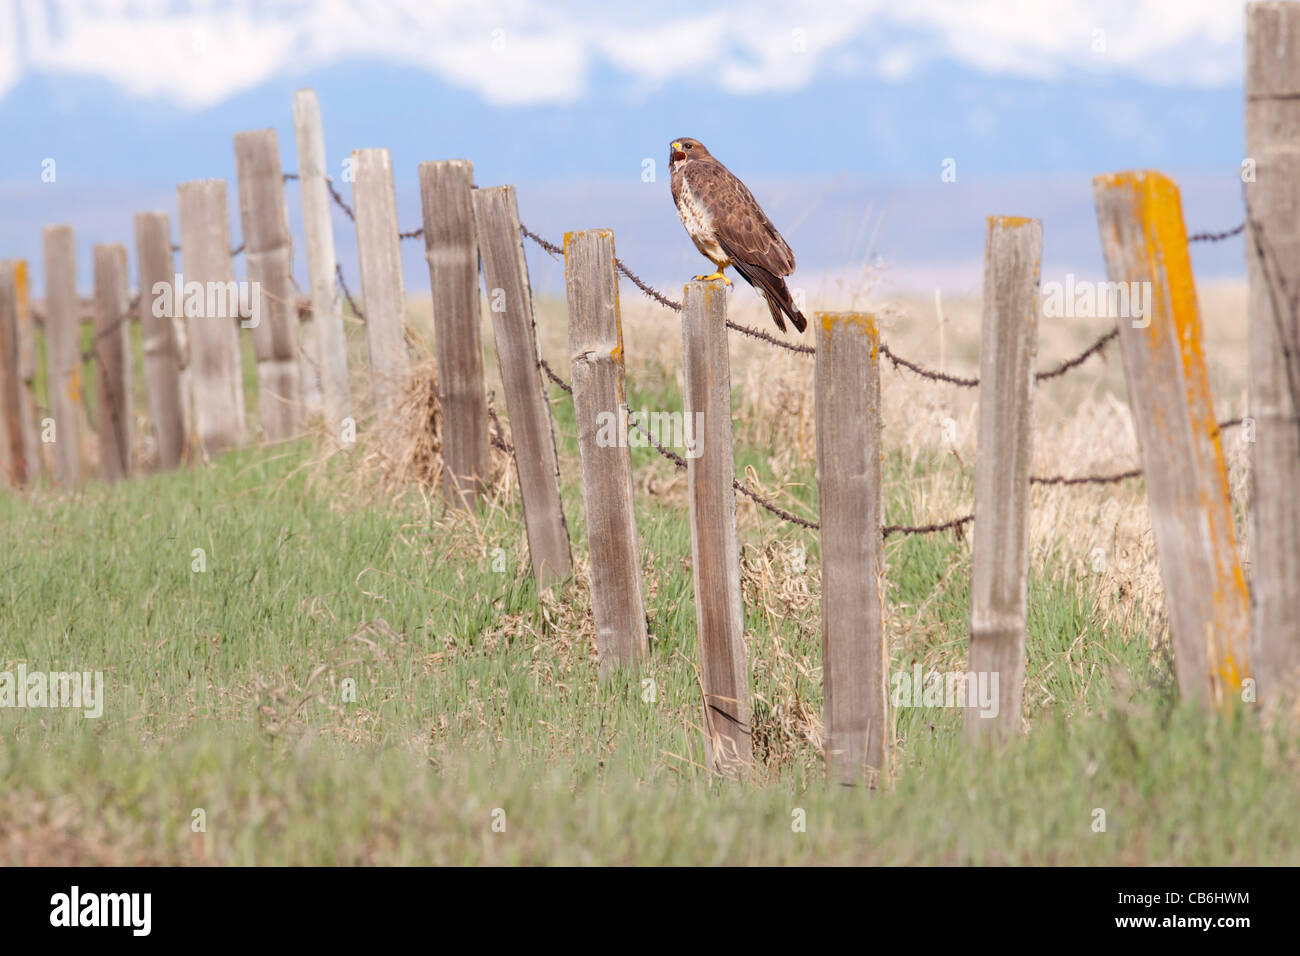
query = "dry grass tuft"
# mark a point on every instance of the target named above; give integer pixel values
(787, 723)
(400, 452)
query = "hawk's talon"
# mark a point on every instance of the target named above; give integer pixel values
(715, 275)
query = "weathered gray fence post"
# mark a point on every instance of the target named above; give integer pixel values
(268, 250)
(113, 378)
(596, 344)
(510, 302)
(1145, 245)
(380, 255)
(325, 353)
(715, 548)
(451, 249)
(63, 354)
(1000, 545)
(856, 738)
(213, 323)
(1273, 271)
(19, 445)
(162, 352)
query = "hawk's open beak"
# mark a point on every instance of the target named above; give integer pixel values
(677, 153)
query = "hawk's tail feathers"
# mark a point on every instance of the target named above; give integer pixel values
(773, 289)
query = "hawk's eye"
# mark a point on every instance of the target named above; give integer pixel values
(689, 145)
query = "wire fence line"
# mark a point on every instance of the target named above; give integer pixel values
(801, 349)
(498, 439)
(956, 524)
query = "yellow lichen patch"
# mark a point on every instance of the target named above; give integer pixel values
(74, 386)
(1010, 222)
(864, 322)
(20, 286)
(1173, 287)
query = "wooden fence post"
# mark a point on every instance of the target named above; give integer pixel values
(268, 250)
(715, 548)
(63, 353)
(855, 661)
(380, 255)
(1273, 271)
(1000, 547)
(325, 353)
(599, 403)
(213, 322)
(113, 399)
(510, 302)
(162, 352)
(451, 249)
(1145, 245)
(19, 445)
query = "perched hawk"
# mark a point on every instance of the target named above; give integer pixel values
(726, 224)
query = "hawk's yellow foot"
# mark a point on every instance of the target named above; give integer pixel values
(715, 275)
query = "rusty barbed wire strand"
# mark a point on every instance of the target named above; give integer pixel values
(1085, 479)
(347, 294)
(1216, 236)
(738, 485)
(955, 524)
(132, 307)
(498, 438)
(1079, 359)
(646, 288)
(338, 200)
(550, 373)
(762, 336)
(799, 349)
(934, 376)
(550, 247)
(1118, 476)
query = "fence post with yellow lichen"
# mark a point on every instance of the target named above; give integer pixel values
(1145, 245)
(63, 355)
(854, 658)
(600, 409)
(19, 444)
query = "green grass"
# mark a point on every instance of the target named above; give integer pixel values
(225, 692)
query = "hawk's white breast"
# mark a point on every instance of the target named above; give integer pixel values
(699, 222)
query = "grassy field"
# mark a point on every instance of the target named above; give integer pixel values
(230, 605)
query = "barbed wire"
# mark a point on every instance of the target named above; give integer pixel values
(550, 373)
(801, 349)
(498, 438)
(338, 200)
(934, 376)
(347, 294)
(1085, 479)
(955, 524)
(762, 502)
(1216, 236)
(132, 307)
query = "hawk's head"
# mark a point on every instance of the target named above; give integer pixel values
(684, 150)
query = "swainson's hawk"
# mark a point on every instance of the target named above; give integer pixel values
(724, 220)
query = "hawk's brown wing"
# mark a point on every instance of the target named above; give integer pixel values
(739, 222)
